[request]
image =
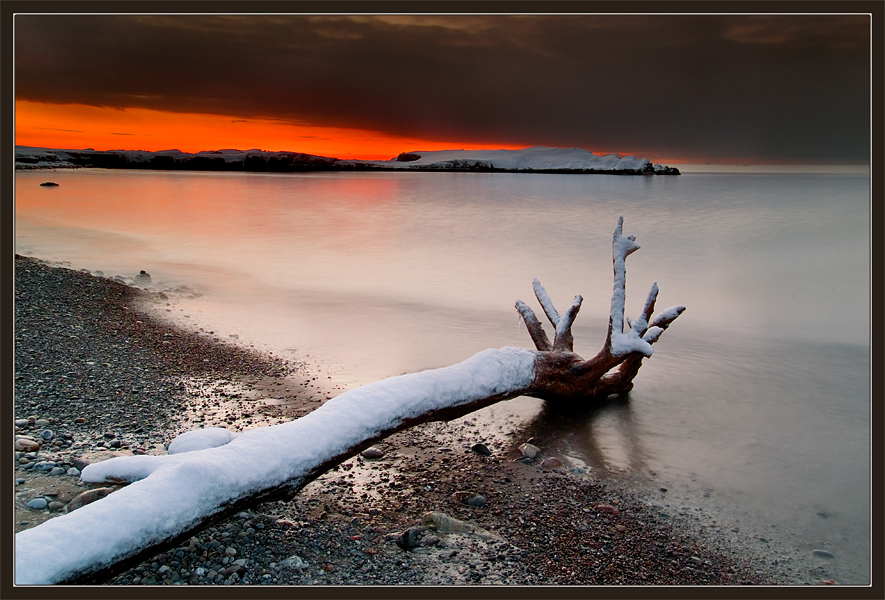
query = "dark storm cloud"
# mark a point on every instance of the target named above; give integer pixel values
(790, 87)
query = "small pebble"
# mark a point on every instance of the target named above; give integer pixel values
(551, 463)
(38, 503)
(529, 450)
(372, 452)
(481, 449)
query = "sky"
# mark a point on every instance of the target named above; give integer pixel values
(760, 89)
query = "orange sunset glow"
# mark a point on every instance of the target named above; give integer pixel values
(77, 126)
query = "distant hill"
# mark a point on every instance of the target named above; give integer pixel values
(528, 160)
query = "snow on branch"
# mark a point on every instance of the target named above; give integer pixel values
(173, 492)
(209, 474)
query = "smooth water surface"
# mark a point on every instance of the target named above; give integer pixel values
(757, 398)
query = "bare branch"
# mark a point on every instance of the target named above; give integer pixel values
(667, 316)
(539, 337)
(563, 339)
(546, 302)
(294, 453)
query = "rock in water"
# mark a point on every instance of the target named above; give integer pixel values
(142, 278)
(49, 184)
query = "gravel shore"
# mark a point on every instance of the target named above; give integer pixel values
(97, 374)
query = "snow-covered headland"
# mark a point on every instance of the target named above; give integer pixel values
(528, 160)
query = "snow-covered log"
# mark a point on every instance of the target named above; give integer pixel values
(209, 474)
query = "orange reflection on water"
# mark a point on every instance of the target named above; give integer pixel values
(346, 213)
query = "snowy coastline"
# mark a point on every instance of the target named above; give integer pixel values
(365, 503)
(528, 160)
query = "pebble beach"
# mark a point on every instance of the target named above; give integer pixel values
(100, 373)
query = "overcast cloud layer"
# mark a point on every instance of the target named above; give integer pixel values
(774, 88)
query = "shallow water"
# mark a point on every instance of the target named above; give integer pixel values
(758, 396)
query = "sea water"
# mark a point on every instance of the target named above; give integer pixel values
(756, 400)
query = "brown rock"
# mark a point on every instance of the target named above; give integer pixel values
(551, 463)
(88, 497)
(607, 508)
(24, 444)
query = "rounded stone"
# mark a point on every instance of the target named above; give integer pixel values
(481, 449)
(551, 463)
(38, 503)
(477, 500)
(24, 444)
(47, 434)
(372, 452)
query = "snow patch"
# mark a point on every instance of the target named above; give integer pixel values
(200, 439)
(171, 492)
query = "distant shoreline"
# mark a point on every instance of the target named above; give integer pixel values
(259, 161)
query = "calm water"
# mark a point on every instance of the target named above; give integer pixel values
(757, 399)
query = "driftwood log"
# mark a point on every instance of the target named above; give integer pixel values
(341, 428)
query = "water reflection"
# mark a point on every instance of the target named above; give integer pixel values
(602, 436)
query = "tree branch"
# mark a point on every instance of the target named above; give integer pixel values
(177, 495)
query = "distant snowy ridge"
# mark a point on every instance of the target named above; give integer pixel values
(537, 159)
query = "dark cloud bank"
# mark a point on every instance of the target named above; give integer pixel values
(793, 88)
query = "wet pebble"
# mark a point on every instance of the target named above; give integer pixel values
(823, 554)
(529, 450)
(551, 463)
